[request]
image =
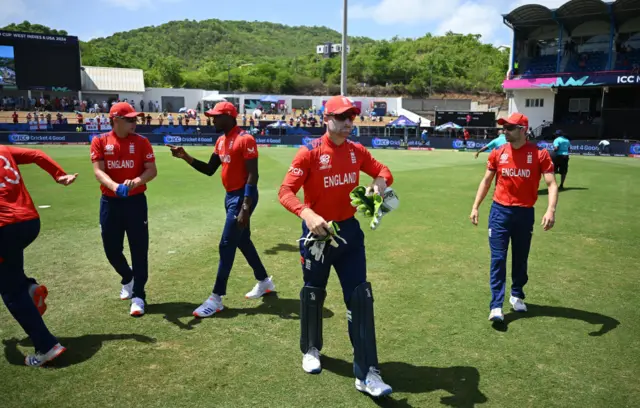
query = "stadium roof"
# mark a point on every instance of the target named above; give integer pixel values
(99, 79)
(571, 14)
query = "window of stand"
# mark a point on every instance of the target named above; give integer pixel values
(534, 103)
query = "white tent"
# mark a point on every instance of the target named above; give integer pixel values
(214, 98)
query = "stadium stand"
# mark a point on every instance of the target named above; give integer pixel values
(544, 64)
(5, 117)
(587, 62)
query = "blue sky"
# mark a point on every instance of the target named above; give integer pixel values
(6, 51)
(372, 18)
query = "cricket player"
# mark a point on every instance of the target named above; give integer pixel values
(518, 167)
(19, 227)
(237, 152)
(494, 144)
(123, 163)
(561, 148)
(328, 170)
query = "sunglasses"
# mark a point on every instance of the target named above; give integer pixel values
(343, 116)
(130, 120)
(510, 127)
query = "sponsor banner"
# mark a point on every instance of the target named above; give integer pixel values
(578, 147)
(605, 79)
(183, 139)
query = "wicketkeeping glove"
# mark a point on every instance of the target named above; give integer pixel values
(383, 205)
(317, 245)
(362, 201)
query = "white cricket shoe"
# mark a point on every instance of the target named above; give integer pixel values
(517, 304)
(210, 307)
(137, 307)
(496, 315)
(311, 361)
(127, 291)
(36, 360)
(373, 384)
(261, 288)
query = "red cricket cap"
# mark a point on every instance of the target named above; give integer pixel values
(123, 110)
(515, 119)
(222, 108)
(340, 104)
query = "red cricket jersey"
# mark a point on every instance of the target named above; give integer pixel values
(16, 204)
(518, 173)
(124, 158)
(234, 148)
(328, 173)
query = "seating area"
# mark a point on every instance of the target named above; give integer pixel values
(587, 62)
(545, 64)
(625, 61)
(6, 117)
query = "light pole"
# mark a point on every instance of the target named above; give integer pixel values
(343, 68)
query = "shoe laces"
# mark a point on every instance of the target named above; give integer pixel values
(312, 352)
(374, 375)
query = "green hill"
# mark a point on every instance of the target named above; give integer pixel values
(266, 57)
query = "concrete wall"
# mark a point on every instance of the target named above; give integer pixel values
(191, 96)
(425, 105)
(535, 115)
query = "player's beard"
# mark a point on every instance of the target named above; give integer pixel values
(339, 128)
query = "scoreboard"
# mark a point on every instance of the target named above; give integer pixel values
(465, 118)
(30, 61)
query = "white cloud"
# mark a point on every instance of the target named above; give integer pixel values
(552, 4)
(482, 17)
(472, 18)
(14, 11)
(403, 11)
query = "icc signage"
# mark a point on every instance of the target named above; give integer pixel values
(629, 79)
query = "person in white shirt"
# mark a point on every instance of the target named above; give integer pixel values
(170, 119)
(603, 146)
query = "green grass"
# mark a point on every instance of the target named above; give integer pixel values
(577, 347)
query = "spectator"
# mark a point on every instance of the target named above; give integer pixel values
(15, 117)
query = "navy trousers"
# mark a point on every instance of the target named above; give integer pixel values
(506, 224)
(14, 285)
(127, 215)
(233, 238)
(349, 261)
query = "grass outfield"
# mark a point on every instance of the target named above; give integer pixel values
(577, 346)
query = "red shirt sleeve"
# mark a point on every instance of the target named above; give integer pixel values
(46, 163)
(216, 149)
(96, 150)
(374, 168)
(249, 148)
(294, 180)
(491, 161)
(147, 149)
(546, 164)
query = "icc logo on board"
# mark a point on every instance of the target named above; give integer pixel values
(634, 148)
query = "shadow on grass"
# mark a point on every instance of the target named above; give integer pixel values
(461, 382)
(282, 248)
(607, 323)
(271, 304)
(79, 349)
(545, 191)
